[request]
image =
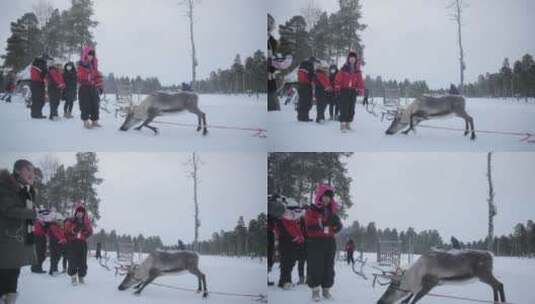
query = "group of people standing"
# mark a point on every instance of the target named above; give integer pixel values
(63, 82)
(306, 235)
(24, 231)
(330, 87)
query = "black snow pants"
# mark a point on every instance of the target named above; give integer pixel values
(40, 253)
(304, 103)
(320, 262)
(288, 256)
(89, 102)
(347, 100)
(56, 251)
(77, 255)
(38, 98)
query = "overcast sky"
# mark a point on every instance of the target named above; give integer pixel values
(149, 193)
(443, 191)
(151, 38)
(416, 39)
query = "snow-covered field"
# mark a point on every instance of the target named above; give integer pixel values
(223, 274)
(517, 275)
(21, 133)
(287, 134)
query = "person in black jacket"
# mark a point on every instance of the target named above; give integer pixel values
(69, 93)
(306, 76)
(334, 110)
(16, 223)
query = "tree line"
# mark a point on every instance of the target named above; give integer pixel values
(60, 34)
(407, 88)
(297, 175)
(244, 240)
(521, 242)
(517, 80)
(136, 85)
(110, 241)
(248, 76)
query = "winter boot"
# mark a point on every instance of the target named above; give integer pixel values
(96, 124)
(10, 298)
(286, 286)
(81, 280)
(316, 294)
(87, 124)
(326, 293)
(301, 281)
(37, 269)
(74, 280)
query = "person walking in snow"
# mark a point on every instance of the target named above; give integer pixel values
(321, 224)
(349, 84)
(55, 87)
(90, 81)
(17, 213)
(290, 238)
(77, 229)
(69, 93)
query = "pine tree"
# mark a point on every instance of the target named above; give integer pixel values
(84, 181)
(24, 44)
(78, 22)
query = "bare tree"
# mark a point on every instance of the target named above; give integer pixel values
(492, 206)
(457, 7)
(311, 12)
(43, 10)
(193, 165)
(190, 8)
(48, 165)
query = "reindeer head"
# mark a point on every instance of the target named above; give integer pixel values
(131, 119)
(399, 122)
(394, 292)
(130, 279)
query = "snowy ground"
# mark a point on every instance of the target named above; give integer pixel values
(517, 275)
(21, 133)
(287, 134)
(223, 274)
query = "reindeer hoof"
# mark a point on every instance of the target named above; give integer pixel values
(198, 129)
(204, 132)
(473, 137)
(205, 295)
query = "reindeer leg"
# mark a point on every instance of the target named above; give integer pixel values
(496, 285)
(411, 125)
(427, 284)
(205, 130)
(201, 119)
(152, 275)
(469, 122)
(201, 279)
(406, 301)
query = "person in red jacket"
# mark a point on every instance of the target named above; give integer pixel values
(90, 81)
(350, 249)
(77, 229)
(55, 87)
(321, 224)
(38, 72)
(290, 238)
(349, 84)
(57, 243)
(323, 92)
(305, 77)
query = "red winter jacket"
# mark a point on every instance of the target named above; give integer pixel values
(292, 228)
(322, 79)
(348, 78)
(322, 222)
(75, 230)
(56, 77)
(36, 74)
(350, 247)
(87, 71)
(56, 232)
(39, 228)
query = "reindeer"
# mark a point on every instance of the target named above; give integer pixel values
(441, 267)
(428, 107)
(162, 263)
(160, 103)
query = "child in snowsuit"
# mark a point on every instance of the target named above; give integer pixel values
(55, 87)
(290, 238)
(323, 92)
(348, 84)
(90, 81)
(350, 249)
(69, 94)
